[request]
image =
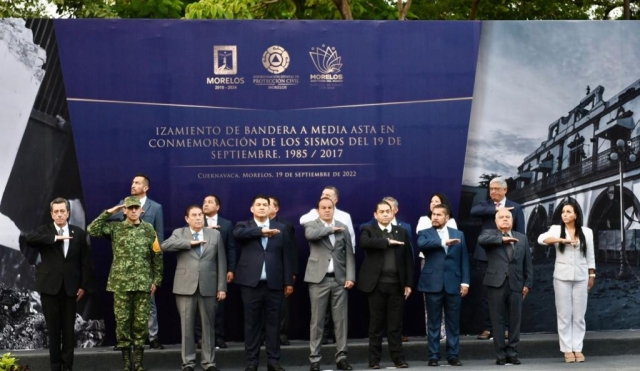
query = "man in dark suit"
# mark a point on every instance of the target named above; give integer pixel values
(273, 215)
(264, 273)
(395, 207)
(152, 214)
(62, 278)
(386, 276)
(509, 278)
(486, 210)
(200, 281)
(330, 272)
(213, 220)
(445, 279)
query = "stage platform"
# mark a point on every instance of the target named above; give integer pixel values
(602, 343)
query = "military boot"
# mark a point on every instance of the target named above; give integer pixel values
(126, 358)
(137, 359)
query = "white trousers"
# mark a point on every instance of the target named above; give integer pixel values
(571, 306)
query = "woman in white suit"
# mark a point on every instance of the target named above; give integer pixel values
(573, 276)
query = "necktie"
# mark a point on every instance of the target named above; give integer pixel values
(264, 239)
(498, 204)
(61, 233)
(510, 248)
(198, 247)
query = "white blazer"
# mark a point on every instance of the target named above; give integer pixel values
(571, 265)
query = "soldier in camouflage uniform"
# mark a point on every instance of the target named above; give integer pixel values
(135, 274)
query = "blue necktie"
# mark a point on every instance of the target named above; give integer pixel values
(198, 247)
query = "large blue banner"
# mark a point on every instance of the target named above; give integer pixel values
(238, 108)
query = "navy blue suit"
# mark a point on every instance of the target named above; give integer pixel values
(262, 299)
(440, 279)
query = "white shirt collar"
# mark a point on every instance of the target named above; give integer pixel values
(387, 228)
(265, 223)
(332, 223)
(142, 200)
(65, 228)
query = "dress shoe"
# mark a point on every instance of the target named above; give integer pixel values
(188, 368)
(211, 368)
(343, 365)
(221, 344)
(405, 338)
(251, 368)
(274, 367)
(155, 344)
(374, 365)
(569, 357)
(433, 362)
(501, 361)
(400, 362)
(454, 361)
(284, 341)
(579, 357)
(315, 366)
(513, 360)
(485, 335)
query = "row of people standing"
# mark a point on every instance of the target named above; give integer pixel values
(405, 290)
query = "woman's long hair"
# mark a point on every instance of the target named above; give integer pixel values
(578, 223)
(444, 200)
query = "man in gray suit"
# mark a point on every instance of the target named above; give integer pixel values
(330, 272)
(508, 279)
(200, 280)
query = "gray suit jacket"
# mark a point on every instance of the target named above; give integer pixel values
(206, 272)
(519, 269)
(321, 252)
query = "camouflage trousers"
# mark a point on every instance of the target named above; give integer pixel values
(131, 310)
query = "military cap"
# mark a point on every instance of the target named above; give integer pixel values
(132, 201)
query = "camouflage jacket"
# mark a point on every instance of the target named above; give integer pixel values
(137, 258)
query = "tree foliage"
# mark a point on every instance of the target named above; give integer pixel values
(22, 9)
(521, 9)
(291, 9)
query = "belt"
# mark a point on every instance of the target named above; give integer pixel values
(330, 274)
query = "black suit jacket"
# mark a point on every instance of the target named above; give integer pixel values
(226, 232)
(277, 256)
(55, 270)
(292, 239)
(374, 243)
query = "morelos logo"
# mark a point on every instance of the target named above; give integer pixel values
(275, 59)
(326, 60)
(225, 60)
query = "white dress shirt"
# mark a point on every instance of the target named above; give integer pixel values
(65, 232)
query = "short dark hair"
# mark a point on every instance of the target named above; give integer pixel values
(322, 199)
(334, 189)
(383, 203)
(276, 200)
(145, 177)
(444, 207)
(260, 196)
(215, 198)
(191, 207)
(59, 200)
